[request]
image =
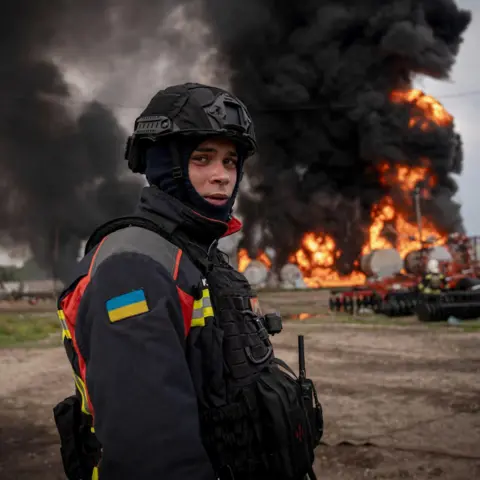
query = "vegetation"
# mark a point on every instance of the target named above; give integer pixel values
(24, 328)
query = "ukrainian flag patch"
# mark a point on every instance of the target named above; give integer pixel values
(127, 305)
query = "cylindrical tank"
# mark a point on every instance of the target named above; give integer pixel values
(381, 263)
(256, 273)
(291, 276)
(413, 260)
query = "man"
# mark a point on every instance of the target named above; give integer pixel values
(433, 281)
(175, 373)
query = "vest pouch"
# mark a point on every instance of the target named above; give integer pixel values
(231, 436)
(286, 434)
(79, 448)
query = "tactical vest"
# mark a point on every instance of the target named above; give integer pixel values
(258, 419)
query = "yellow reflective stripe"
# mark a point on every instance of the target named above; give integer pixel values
(83, 393)
(65, 331)
(95, 473)
(202, 308)
(198, 322)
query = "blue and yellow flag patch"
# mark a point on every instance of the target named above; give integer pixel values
(127, 305)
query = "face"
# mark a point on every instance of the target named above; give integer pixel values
(212, 169)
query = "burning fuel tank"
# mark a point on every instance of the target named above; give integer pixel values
(413, 261)
(381, 263)
(291, 277)
(257, 274)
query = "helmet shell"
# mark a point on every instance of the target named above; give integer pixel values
(191, 109)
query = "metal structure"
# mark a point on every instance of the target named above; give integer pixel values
(398, 295)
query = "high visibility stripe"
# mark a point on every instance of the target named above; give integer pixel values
(198, 322)
(95, 473)
(65, 331)
(83, 393)
(202, 308)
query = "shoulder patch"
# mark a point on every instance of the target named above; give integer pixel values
(127, 305)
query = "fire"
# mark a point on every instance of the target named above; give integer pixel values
(244, 259)
(318, 253)
(316, 259)
(426, 108)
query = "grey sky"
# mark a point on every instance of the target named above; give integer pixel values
(466, 110)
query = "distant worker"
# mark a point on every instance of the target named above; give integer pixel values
(176, 378)
(433, 282)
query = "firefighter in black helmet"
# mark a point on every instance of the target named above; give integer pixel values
(174, 369)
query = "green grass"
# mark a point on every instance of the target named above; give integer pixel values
(26, 328)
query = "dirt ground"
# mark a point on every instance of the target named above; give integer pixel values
(400, 401)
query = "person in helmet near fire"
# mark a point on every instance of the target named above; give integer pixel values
(433, 282)
(174, 370)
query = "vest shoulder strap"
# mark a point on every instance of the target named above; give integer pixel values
(136, 239)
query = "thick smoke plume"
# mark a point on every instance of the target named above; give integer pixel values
(61, 164)
(316, 74)
(318, 77)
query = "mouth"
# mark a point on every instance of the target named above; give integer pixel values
(217, 199)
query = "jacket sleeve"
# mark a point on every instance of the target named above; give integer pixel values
(139, 383)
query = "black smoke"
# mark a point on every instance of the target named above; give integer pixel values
(61, 161)
(317, 76)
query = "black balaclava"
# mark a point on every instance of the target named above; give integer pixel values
(159, 167)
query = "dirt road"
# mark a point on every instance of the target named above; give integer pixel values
(400, 402)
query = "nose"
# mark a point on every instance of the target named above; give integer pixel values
(219, 174)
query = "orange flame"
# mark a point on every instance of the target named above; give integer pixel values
(318, 252)
(428, 109)
(244, 260)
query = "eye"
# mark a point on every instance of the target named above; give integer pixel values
(230, 162)
(200, 158)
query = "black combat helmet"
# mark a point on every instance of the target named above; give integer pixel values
(190, 109)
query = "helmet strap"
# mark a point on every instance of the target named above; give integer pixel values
(177, 171)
